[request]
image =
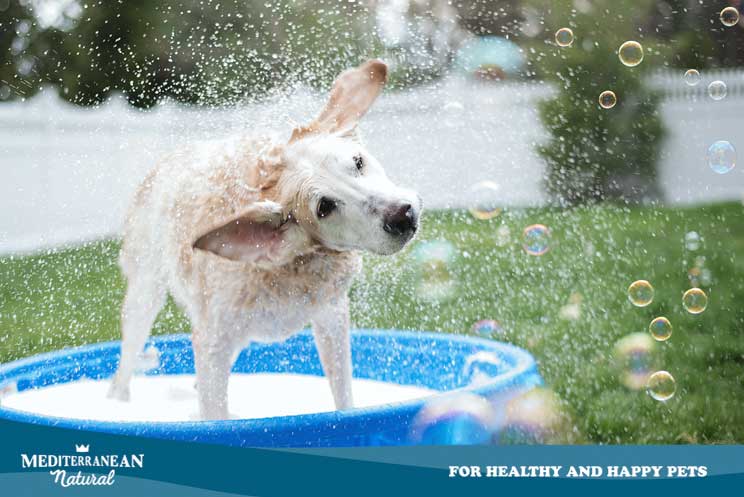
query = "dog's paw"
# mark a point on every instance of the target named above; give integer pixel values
(118, 392)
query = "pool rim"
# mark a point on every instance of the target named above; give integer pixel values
(524, 366)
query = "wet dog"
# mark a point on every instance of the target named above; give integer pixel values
(254, 237)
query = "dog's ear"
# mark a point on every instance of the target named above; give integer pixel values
(251, 236)
(352, 94)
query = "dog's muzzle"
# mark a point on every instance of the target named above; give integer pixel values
(400, 221)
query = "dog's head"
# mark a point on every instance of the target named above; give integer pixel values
(327, 184)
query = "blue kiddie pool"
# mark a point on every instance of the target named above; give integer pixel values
(430, 360)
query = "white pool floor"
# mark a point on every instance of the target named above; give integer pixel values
(174, 398)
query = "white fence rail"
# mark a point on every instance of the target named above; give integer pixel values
(68, 174)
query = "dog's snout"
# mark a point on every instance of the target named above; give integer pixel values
(400, 220)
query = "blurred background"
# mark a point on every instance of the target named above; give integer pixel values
(490, 114)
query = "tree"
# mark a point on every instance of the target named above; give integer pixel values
(595, 153)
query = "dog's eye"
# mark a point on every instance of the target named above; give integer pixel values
(358, 162)
(325, 207)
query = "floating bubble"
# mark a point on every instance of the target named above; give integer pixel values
(572, 310)
(453, 113)
(640, 293)
(692, 241)
(694, 301)
(717, 90)
(536, 239)
(432, 261)
(661, 386)
(661, 329)
(481, 367)
(456, 419)
(503, 235)
(634, 356)
(729, 16)
(484, 200)
(692, 77)
(631, 53)
(487, 328)
(534, 417)
(607, 99)
(564, 37)
(721, 157)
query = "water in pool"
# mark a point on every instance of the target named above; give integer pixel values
(173, 397)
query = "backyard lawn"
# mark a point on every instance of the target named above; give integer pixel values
(72, 297)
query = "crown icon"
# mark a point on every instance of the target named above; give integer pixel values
(82, 448)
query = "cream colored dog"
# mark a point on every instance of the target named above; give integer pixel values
(255, 237)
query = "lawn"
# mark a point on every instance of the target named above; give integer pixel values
(72, 297)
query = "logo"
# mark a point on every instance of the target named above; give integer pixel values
(83, 468)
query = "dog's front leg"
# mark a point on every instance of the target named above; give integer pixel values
(213, 362)
(331, 331)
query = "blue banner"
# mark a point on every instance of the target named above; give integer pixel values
(43, 460)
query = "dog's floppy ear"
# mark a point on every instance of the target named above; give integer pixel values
(353, 93)
(251, 236)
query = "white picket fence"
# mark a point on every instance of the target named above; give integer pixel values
(69, 173)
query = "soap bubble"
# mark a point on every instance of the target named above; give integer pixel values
(503, 235)
(661, 329)
(631, 53)
(717, 90)
(433, 274)
(729, 16)
(564, 37)
(481, 367)
(640, 293)
(721, 157)
(572, 310)
(534, 417)
(536, 239)
(661, 386)
(453, 113)
(692, 77)
(455, 419)
(607, 99)
(694, 301)
(634, 358)
(484, 200)
(692, 241)
(487, 328)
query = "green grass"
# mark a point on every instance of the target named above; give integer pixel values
(72, 297)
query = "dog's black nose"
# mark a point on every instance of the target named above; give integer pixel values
(400, 220)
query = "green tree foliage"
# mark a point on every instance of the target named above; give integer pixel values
(212, 51)
(595, 153)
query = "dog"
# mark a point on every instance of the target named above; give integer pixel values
(254, 237)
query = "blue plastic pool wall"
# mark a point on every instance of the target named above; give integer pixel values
(428, 360)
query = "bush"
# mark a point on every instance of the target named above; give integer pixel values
(594, 153)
